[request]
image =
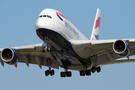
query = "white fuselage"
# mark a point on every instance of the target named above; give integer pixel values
(54, 20)
(58, 32)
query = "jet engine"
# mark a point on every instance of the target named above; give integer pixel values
(9, 56)
(121, 48)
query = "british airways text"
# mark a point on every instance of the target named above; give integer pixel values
(71, 29)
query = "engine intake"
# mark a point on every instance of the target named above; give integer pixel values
(121, 48)
(9, 56)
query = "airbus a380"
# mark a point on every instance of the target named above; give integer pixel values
(65, 46)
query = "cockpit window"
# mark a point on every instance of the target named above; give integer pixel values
(45, 16)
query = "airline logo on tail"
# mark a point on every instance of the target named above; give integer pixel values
(60, 16)
(97, 24)
(97, 37)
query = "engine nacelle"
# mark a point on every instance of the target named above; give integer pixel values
(9, 56)
(121, 48)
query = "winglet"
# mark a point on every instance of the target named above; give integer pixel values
(96, 26)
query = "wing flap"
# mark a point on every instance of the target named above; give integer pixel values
(117, 61)
(38, 60)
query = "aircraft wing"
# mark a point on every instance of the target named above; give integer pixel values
(34, 54)
(103, 49)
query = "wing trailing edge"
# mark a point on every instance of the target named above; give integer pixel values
(118, 61)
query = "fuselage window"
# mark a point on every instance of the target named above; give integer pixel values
(45, 16)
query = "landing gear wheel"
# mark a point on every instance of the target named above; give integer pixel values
(93, 69)
(52, 72)
(82, 73)
(98, 69)
(68, 74)
(63, 74)
(47, 73)
(87, 72)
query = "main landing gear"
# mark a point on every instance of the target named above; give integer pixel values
(62, 74)
(85, 72)
(98, 69)
(88, 72)
(66, 74)
(69, 73)
(49, 72)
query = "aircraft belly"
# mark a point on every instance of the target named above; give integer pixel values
(60, 47)
(62, 50)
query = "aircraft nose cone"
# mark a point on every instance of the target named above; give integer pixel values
(40, 23)
(43, 23)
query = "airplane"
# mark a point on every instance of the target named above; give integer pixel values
(66, 47)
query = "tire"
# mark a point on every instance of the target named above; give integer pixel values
(98, 69)
(47, 73)
(63, 74)
(93, 69)
(52, 72)
(88, 73)
(68, 74)
(82, 73)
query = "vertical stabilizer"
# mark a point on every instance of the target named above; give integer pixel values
(96, 26)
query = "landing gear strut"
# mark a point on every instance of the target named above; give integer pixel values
(65, 63)
(88, 72)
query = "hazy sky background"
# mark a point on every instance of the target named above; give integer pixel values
(17, 28)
